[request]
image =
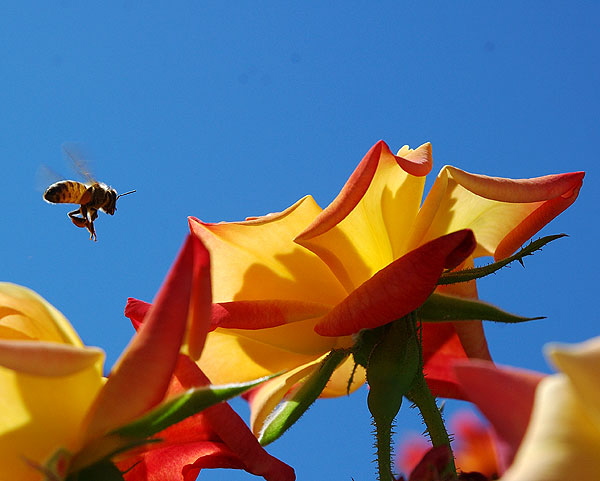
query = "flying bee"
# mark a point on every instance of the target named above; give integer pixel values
(91, 196)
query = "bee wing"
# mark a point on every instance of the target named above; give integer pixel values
(46, 176)
(75, 153)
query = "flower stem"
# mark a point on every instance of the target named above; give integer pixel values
(422, 397)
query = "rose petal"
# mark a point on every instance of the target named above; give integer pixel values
(256, 259)
(48, 358)
(264, 314)
(503, 213)
(39, 320)
(143, 372)
(399, 288)
(365, 227)
(504, 395)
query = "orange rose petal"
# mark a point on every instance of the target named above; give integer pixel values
(399, 288)
(417, 162)
(214, 438)
(534, 222)
(47, 359)
(350, 195)
(364, 228)
(264, 314)
(503, 213)
(255, 257)
(518, 190)
(229, 427)
(142, 374)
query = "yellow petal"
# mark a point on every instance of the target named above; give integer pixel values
(257, 259)
(234, 355)
(269, 394)
(40, 414)
(364, 228)
(503, 213)
(48, 358)
(562, 442)
(581, 362)
(24, 314)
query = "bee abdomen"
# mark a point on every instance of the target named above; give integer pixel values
(65, 192)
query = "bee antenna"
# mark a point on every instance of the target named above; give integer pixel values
(126, 193)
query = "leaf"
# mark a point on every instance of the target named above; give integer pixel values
(478, 272)
(101, 471)
(182, 406)
(290, 410)
(443, 308)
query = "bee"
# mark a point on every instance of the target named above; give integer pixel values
(91, 196)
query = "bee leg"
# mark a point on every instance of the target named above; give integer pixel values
(78, 220)
(92, 231)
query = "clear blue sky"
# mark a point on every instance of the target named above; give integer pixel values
(225, 110)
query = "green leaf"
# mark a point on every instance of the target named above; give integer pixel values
(443, 308)
(290, 410)
(182, 406)
(478, 272)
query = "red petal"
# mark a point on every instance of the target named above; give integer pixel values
(214, 438)
(136, 310)
(178, 462)
(143, 372)
(504, 395)
(399, 288)
(263, 314)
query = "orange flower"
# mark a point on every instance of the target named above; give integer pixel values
(292, 286)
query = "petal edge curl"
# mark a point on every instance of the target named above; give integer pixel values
(47, 359)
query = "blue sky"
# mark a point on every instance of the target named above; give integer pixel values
(227, 110)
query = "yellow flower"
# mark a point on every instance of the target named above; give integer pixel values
(48, 380)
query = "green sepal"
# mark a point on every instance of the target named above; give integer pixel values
(365, 342)
(478, 272)
(443, 308)
(182, 406)
(392, 368)
(290, 409)
(101, 471)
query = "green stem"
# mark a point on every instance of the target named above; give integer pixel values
(422, 397)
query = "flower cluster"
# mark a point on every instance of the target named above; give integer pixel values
(378, 287)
